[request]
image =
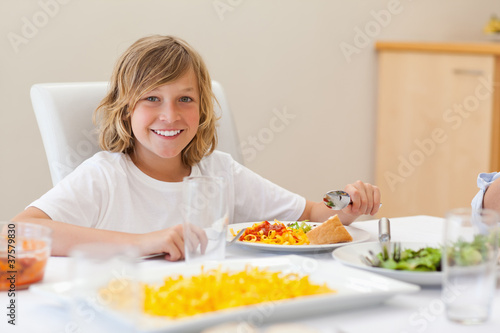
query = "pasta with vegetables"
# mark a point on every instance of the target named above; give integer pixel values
(276, 233)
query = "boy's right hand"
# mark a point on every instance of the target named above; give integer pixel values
(171, 241)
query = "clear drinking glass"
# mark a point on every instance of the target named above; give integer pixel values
(205, 214)
(104, 279)
(469, 262)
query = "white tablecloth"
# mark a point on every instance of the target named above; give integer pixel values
(416, 312)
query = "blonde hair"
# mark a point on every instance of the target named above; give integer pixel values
(147, 64)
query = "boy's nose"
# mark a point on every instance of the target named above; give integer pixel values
(169, 113)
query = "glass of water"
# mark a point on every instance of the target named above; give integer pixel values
(104, 278)
(469, 261)
(205, 212)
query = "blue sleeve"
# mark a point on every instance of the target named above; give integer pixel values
(484, 180)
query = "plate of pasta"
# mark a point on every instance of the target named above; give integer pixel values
(185, 297)
(287, 236)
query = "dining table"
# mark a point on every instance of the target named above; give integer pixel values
(420, 311)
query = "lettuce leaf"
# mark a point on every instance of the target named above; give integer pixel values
(427, 259)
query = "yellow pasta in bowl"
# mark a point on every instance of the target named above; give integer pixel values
(215, 289)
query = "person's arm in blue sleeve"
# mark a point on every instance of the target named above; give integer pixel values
(489, 191)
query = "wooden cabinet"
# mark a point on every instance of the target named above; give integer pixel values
(438, 124)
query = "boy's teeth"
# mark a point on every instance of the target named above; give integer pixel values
(167, 133)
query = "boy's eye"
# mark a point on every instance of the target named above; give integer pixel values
(152, 99)
(185, 99)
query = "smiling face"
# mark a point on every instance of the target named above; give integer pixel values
(164, 121)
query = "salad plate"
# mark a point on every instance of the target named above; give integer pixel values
(350, 255)
(353, 289)
(358, 236)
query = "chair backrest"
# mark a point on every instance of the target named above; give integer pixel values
(64, 115)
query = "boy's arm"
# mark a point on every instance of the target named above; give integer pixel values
(365, 200)
(66, 235)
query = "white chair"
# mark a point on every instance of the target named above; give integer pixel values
(64, 115)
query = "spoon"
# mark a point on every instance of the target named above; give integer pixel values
(338, 200)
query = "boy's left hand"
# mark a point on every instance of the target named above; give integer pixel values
(365, 198)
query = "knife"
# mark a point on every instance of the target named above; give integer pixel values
(384, 236)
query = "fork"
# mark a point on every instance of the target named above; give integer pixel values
(237, 236)
(396, 255)
(373, 260)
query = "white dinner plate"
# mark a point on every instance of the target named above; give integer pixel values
(354, 289)
(350, 255)
(358, 235)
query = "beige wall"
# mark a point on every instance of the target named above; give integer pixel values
(270, 55)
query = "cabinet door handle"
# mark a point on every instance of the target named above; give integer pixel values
(471, 72)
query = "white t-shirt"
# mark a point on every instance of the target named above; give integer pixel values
(108, 191)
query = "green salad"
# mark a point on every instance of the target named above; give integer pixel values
(428, 259)
(464, 253)
(300, 225)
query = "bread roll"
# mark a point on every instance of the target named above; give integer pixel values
(329, 232)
